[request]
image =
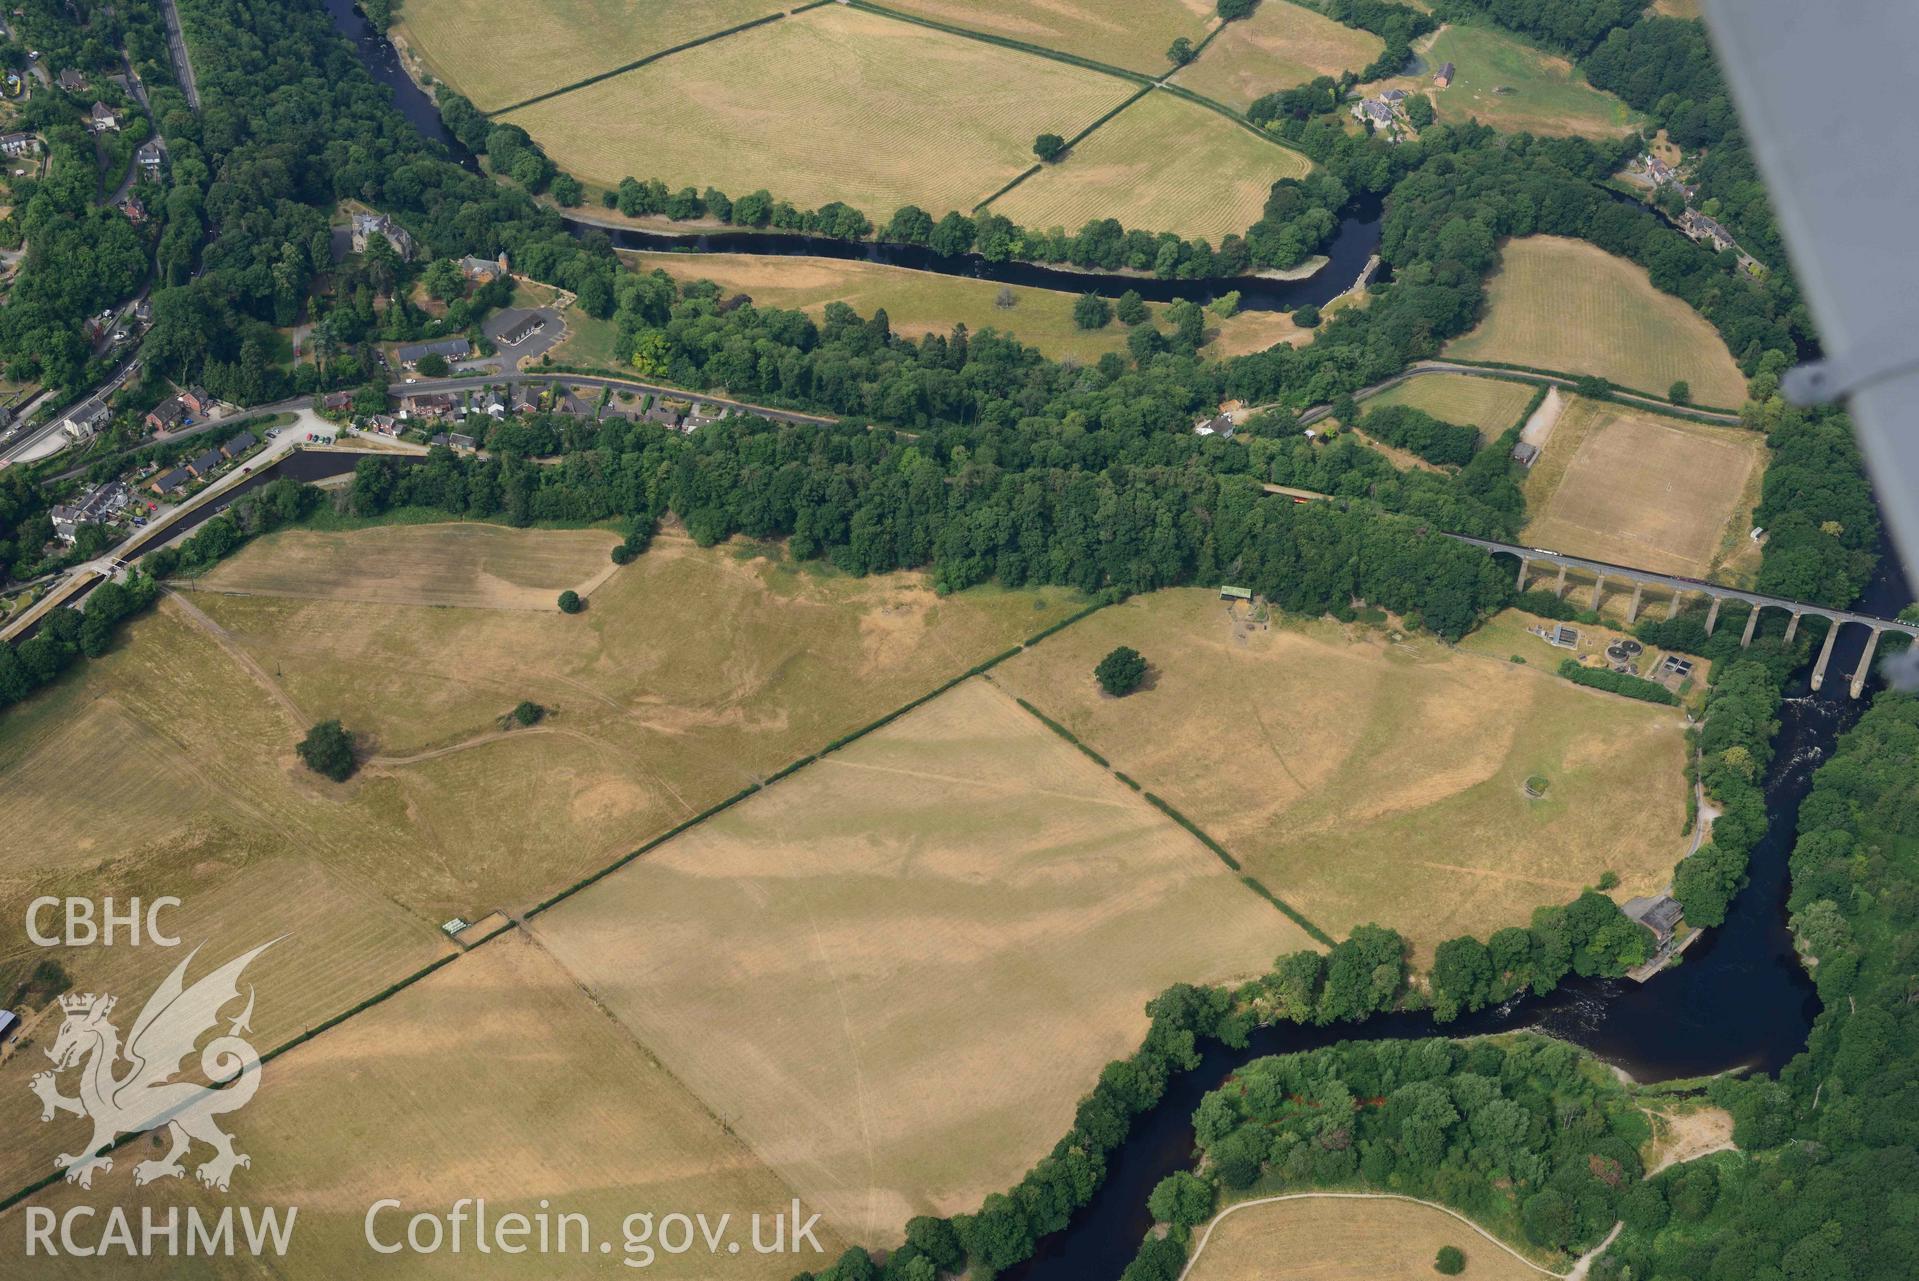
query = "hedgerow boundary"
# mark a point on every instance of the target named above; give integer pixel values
(651, 58)
(1195, 830)
(978, 669)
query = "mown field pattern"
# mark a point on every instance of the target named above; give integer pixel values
(923, 302)
(1163, 164)
(494, 1078)
(1490, 404)
(1133, 34)
(1501, 81)
(1362, 780)
(834, 104)
(1281, 45)
(1563, 304)
(554, 42)
(894, 973)
(1635, 488)
(1319, 1238)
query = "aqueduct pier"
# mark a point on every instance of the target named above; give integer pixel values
(1679, 589)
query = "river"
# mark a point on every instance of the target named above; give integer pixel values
(1739, 999)
(1355, 242)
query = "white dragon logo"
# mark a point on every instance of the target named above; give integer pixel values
(143, 1097)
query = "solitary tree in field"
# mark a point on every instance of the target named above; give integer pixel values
(1005, 299)
(1048, 147)
(1451, 1261)
(1680, 392)
(1121, 671)
(1180, 52)
(1092, 312)
(328, 749)
(1132, 308)
(570, 602)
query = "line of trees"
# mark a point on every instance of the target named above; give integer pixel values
(1415, 430)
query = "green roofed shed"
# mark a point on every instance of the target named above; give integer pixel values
(1236, 593)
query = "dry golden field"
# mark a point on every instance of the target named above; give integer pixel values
(894, 973)
(1163, 164)
(554, 42)
(1361, 780)
(474, 565)
(1634, 488)
(1279, 46)
(1132, 34)
(1329, 1238)
(923, 302)
(168, 766)
(886, 113)
(1490, 404)
(494, 1078)
(1568, 305)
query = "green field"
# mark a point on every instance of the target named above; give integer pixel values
(887, 113)
(1163, 164)
(1570, 306)
(1503, 82)
(1490, 404)
(1366, 780)
(1124, 33)
(552, 43)
(1281, 45)
(922, 302)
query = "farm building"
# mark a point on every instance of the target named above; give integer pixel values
(1445, 76)
(9, 1023)
(1236, 593)
(448, 348)
(1525, 454)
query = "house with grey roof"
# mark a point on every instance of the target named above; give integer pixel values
(368, 225)
(204, 462)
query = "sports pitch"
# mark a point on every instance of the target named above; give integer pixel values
(1361, 780)
(1570, 306)
(1162, 164)
(886, 113)
(1635, 488)
(894, 974)
(1281, 45)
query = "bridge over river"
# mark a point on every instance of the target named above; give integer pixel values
(1679, 589)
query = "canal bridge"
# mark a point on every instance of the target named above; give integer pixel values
(1678, 589)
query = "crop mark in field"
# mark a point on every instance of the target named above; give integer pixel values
(232, 649)
(934, 777)
(1491, 874)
